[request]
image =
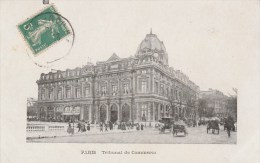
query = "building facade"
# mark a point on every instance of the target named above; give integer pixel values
(216, 101)
(140, 88)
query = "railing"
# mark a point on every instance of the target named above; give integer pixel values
(45, 127)
(35, 128)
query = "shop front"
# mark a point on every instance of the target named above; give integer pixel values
(71, 114)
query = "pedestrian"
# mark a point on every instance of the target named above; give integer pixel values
(110, 125)
(137, 126)
(79, 127)
(70, 130)
(228, 127)
(142, 126)
(83, 128)
(119, 126)
(106, 126)
(101, 127)
(88, 127)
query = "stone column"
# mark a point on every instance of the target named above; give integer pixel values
(153, 111)
(108, 111)
(137, 112)
(97, 119)
(89, 107)
(82, 111)
(46, 112)
(152, 81)
(119, 115)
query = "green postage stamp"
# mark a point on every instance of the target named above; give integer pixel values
(44, 29)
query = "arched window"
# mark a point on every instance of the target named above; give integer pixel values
(68, 93)
(59, 93)
(87, 91)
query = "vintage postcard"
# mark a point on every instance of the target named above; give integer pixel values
(130, 81)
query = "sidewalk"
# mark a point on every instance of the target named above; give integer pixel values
(93, 131)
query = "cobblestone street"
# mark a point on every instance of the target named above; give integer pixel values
(196, 135)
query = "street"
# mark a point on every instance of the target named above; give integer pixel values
(196, 135)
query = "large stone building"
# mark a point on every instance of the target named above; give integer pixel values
(139, 88)
(216, 101)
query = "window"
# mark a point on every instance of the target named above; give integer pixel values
(77, 92)
(162, 90)
(161, 111)
(68, 93)
(103, 90)
(156, 88)
(59, 94)
(87, 92)
(143, 86)
(114, 90)
(125, 88)
(42, 94)
(167, 92)
(167, 112)
(51, 94)
(144, 112)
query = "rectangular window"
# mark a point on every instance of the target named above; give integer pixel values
(114, 90)
(77, 93)
(43, 95)
(125, 88)
(59, 94)
(103, 90)
(51, 95)
(143, 86)
(156, 88)
(67, 93)
(162, 90)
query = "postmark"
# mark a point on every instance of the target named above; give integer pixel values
(44, 29)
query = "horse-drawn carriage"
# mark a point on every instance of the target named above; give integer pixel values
(166, 124)
(179, 128)
(213, 125)
(229, 123)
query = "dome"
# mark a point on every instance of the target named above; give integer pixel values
(150, 43)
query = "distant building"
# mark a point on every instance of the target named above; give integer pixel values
(216, 100)
(137, 89)
(31, 108)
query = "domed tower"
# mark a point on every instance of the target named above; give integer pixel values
(151, 45)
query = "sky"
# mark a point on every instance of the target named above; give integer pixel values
(211, 42)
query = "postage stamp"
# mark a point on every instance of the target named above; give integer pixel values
(44, 29)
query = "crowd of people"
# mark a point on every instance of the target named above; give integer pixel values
(103, 126)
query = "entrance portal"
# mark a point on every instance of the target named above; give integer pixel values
(103, 113)
(125, 113)
(114, 114)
